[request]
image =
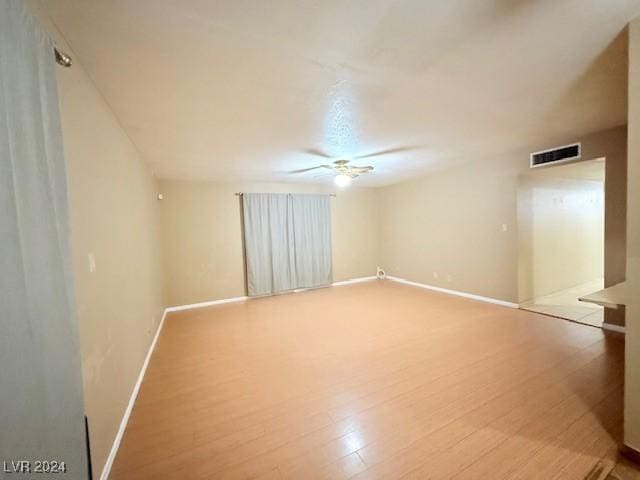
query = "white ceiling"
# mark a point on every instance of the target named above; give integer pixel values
(246, 89)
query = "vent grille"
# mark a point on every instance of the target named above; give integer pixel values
(556, 155)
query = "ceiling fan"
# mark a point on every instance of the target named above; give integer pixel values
(345, 173)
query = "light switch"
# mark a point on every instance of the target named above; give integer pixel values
(92, 263)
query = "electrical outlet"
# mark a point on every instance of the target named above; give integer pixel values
(504, 227)
(435, 275)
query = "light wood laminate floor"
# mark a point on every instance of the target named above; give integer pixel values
(374, 380)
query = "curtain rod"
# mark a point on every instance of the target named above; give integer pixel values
(330, 194)
(62, 58)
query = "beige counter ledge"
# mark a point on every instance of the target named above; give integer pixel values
(610, 297)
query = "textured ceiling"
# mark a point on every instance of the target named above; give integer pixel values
(237, 89)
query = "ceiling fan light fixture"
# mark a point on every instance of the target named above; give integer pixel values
(342, 180)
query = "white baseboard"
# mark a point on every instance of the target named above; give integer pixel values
(354, 280)
(613, 328)
(191, 306)
(127, 413)
(480, 298)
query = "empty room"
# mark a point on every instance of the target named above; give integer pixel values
(294, 239)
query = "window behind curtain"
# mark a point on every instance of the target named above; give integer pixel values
(287, 241)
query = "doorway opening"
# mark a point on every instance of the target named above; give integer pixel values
(561, 240)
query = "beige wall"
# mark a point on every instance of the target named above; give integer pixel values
(452, 223)
(561, 233)
(114, 215)
(632, 349)
(612, 145)
(202, 236)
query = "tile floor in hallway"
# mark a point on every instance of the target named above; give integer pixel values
(565, 304)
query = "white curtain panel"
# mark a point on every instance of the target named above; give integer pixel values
(287, 241)
(41, 404)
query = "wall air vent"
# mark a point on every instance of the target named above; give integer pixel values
(556, 155)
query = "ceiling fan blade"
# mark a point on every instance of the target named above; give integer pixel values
(390, 151)
(365, 169)
(309, 169)
(324, 175)
(317, 152)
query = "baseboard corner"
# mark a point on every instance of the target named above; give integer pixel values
(191, 306)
